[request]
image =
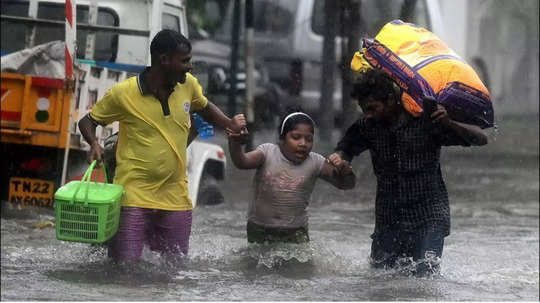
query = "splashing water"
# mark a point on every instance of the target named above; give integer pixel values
(274, 255)
(491, 255)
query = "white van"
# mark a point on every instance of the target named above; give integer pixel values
(113, 39)
(288, 38)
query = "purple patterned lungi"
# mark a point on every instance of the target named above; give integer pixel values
(165, 231)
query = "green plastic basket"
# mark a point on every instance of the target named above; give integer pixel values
(89, 215)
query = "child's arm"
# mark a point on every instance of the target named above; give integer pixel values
(252, 159)
(338, 172)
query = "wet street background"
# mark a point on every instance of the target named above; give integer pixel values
(491, 255)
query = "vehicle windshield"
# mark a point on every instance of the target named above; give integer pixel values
(270, 18)
(374, 14)
(276, 18)
(15, 36)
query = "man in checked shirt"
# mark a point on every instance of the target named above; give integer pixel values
(412, 214)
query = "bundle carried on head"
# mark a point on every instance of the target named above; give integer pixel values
(424, 66)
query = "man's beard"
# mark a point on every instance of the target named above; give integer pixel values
(174, 78)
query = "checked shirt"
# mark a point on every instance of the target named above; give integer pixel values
(411, 194)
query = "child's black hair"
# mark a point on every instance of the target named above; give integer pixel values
(294, 120)
(374, 84)
(167, 41)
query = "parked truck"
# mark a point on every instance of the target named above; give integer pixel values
(41, 145)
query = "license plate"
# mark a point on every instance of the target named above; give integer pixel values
(31, 192)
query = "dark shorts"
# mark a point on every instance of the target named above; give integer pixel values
(392, 248)
(260, 234)
(164, 231)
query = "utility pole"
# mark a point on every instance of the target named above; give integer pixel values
(250, 68)
(326, 116)
(70, 55)
(350, 21)
(235, 35)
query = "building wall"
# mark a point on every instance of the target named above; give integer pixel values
(504, 35)
(454, 14)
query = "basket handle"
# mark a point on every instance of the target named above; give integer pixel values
(86, 180)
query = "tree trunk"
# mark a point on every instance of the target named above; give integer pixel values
(235, 35)
(250, 70)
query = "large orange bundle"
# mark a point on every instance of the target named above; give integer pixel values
(423, 65)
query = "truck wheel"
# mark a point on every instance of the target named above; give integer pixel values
(209, 193)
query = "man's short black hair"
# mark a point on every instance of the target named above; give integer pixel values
(374, 84)
(167, 41)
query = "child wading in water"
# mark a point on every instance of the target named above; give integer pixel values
(284, 180)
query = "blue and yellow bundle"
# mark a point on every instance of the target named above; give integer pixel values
(423, 65)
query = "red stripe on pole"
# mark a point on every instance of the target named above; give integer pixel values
(69, 64)
(69, 12)
(47, 82)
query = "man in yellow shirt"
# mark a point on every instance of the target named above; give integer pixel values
(154, 110)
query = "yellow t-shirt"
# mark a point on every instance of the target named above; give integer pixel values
(151, 154)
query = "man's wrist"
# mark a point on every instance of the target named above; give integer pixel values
(449, 123)
(232, 126)
(344, 156)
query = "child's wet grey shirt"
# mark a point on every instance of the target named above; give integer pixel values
(282, 189)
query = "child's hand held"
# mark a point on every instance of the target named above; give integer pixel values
(335, 160)
(238, 123)
(240, 137)
(345, 168)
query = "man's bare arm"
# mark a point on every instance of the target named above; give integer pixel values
(88, 131)
(212, 114)
(470, 133)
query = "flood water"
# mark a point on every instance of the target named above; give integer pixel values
(491, 255)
